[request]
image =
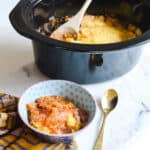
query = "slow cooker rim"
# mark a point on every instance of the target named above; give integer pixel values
(34, 35)
(96, 47)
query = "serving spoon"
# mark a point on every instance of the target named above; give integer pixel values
(73, 25)
(108, 103)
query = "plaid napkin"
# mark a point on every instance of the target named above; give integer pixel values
(14, 135)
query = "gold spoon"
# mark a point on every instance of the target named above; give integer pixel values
(108, 103)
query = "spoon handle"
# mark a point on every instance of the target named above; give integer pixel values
(99, 141)
(78, 17)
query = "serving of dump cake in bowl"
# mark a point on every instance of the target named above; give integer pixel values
(56, 115)
(57, 110)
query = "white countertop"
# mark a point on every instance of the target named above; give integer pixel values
(128, 127)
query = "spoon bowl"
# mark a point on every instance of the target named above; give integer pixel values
(109, 100)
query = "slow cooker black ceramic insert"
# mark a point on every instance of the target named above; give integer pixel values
(76, 62)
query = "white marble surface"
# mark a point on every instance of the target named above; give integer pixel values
(128, 127)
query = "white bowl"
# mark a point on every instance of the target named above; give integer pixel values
(74, 92)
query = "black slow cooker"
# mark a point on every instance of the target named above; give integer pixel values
(82, 63)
